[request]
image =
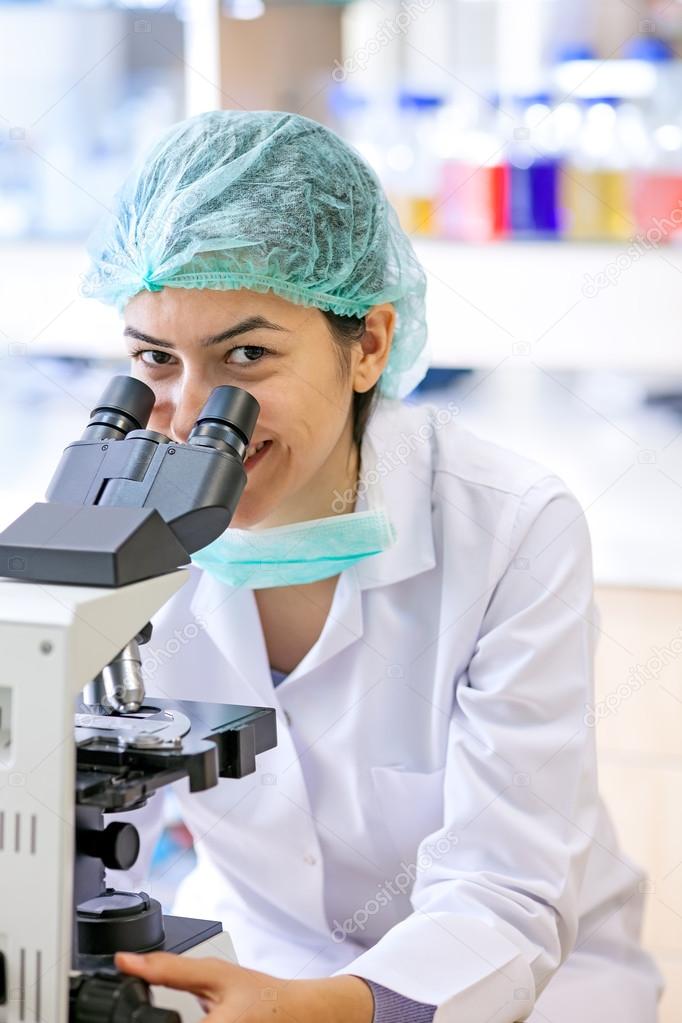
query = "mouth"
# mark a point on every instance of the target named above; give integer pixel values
(255, 453)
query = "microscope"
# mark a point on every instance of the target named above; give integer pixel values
(81, 575)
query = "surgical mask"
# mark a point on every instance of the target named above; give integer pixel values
(301, 552)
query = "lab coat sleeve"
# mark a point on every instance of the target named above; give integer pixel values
(495, 897)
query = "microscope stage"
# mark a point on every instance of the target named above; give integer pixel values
(124, 758)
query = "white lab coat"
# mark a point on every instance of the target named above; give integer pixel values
(430, 818)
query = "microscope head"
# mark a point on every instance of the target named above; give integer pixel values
(127, 504)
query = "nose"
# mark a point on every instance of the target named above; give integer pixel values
(188, 403)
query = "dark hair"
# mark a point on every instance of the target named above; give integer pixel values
(345, 330)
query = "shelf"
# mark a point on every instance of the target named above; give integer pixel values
(43, 312)
(483, 300)
(514, 301)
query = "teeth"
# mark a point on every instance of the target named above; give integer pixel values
(254, 448)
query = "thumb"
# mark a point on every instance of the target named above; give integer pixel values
(195, 975)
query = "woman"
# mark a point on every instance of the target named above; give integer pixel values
(415, 602)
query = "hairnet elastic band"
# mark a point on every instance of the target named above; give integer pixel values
(236, 281)
(152, 285)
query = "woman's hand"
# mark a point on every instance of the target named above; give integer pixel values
(229, 993)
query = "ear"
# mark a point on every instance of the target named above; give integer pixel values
(374, 347)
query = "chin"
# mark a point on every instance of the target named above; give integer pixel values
(256, 505)
(247, 514)
(240, 521)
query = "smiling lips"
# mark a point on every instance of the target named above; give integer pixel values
(256, 452)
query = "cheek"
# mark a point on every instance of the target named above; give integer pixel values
(306, 392)
(317, 373)
(278, 406)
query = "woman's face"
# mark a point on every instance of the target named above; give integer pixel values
(284, 355)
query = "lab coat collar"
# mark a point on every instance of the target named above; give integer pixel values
(398, 461)
(397, 466)
(229, 616)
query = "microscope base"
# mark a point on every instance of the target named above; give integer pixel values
(220, 946)
(183, 934)
(197, 938)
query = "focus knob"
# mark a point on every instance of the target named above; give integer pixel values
(110, 997)
(117, 846)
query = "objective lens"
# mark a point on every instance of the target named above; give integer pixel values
(125, 405)
(227, 420)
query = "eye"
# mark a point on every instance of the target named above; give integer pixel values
(248, 354)
(252, 353)
(157, 358)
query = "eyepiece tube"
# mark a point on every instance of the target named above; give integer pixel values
(227, 420)
(125, 405)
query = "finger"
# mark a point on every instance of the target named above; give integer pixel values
(199, 976)
(224, 1015)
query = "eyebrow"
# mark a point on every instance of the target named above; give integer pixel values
(250, 323)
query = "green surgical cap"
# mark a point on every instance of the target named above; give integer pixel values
(268, 201)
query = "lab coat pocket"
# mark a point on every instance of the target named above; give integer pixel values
(410, 804)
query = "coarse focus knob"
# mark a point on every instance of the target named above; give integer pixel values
(110, 997)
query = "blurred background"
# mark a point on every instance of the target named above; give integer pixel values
(533, 149)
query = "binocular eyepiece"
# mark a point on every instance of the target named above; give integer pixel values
(226, 421)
